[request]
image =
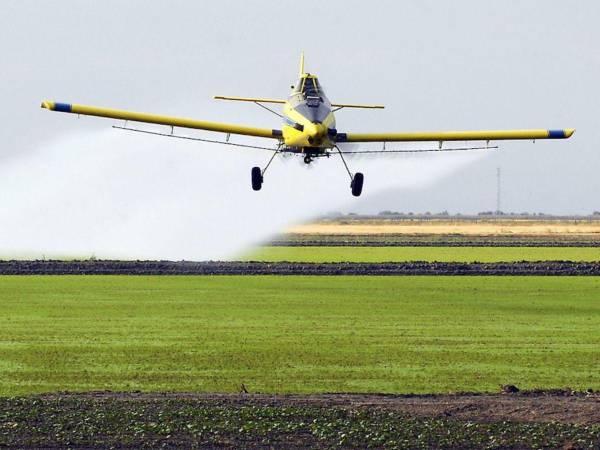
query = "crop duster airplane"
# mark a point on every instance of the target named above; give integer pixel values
(309, 128)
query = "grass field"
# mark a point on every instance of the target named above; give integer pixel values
(298, 334)
(440, 254)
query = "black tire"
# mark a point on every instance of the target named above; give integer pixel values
(357, 184)
(257, 178)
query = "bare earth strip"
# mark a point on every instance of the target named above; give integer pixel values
(536, 406)
(99, 267)
(98, 420)
(441, 227)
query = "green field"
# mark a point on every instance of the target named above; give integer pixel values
(298, 334)
(440, 254)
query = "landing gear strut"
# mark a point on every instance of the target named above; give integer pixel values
(258, 174)
(356, 180)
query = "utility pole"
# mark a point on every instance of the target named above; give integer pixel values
(498, 191)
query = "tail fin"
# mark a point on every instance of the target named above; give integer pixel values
(301, 64)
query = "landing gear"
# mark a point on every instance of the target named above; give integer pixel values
(258, 173)
(257, 178)
(356, 180)
(307, 159)
(357, 183)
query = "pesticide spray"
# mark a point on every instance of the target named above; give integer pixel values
(113, 195)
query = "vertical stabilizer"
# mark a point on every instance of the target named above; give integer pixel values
(301, 64)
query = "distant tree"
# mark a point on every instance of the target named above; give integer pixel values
(596, 213)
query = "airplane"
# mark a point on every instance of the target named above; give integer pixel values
(309, 128)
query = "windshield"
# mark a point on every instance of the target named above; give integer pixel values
(310, 87)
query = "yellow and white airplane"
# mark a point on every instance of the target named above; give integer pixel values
(308, 128)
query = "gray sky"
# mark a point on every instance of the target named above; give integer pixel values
(435, 65)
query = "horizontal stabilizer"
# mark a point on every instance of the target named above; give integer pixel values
(351, 105)
(249, 99)
(281, 102)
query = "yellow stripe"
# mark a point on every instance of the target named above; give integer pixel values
(165, 120)
(490, 135)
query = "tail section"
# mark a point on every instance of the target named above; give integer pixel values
(301, 65)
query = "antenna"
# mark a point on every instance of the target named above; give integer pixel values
(301, 64)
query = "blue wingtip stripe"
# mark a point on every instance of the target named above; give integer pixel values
(556, 134)
(62, 107)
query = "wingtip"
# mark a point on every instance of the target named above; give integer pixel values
(47, 105)
(569, 132)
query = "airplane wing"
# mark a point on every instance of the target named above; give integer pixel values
(491, 135)
(162, 120)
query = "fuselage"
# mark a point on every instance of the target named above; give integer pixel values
(309, 122)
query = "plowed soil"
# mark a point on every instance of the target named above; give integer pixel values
(551, 419)
(568, 268)
(432, 240)
(529, 406)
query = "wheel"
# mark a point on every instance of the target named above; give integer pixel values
(357, 184)
(257, 178)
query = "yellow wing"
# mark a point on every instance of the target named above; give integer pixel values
(162, 120)
(491, 135)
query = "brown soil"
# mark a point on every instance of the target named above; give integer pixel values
(533, 406)
(100, 267)
(99, 420)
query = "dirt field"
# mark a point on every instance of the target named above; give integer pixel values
(568, 268)
(529, 406)
(555, 419)
(432, 240)
(452, 227)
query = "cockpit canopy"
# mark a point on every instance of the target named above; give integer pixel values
(309, 86)
(311, 90)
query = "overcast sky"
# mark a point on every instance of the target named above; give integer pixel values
(435, 65)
